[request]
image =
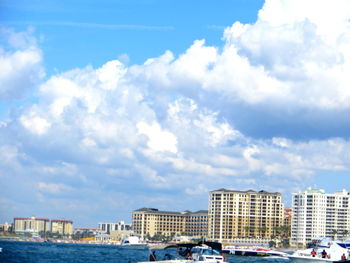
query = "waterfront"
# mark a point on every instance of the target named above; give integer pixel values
(35, 252)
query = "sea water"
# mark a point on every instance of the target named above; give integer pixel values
(35, 252)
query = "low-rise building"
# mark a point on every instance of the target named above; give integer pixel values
(151, 221)
(109, 227)
(86, 230)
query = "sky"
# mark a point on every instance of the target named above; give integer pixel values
(111, 106)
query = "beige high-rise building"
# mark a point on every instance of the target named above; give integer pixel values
(31, 224)
(151, 221)
(61, 226)
(243, 214)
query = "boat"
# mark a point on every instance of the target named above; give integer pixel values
(193, 253)
(132, 242)
(330, 253)
(205, 253)
(253, 252)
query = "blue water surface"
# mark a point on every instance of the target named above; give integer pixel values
(35, 252)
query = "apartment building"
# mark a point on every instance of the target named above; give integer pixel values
(151, 221)
(243, 214)
(317, 214)
(61, 226)
(31, 224)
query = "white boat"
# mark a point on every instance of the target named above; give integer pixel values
(253, 252)
(331, 253)
(133, 242)
(198, 254)
(206, 254)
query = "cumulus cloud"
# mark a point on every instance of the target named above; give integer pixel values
(158, 140)
(267, 110)
(303, 54)
(20, 64)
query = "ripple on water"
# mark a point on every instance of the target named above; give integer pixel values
(27, 252)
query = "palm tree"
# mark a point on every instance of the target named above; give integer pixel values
(334, 233)
(345, 234)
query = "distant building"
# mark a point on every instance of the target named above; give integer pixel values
(31, 224)
(86, 230)
(243, 214)
(317, 214)
(109, 227)
(6, 227)
(151, 221)
(62, 226)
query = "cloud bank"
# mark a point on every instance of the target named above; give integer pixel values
(266, 110)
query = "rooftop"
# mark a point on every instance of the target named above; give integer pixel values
(244, 192)
(156, 211)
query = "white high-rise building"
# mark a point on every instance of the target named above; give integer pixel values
(317, 214)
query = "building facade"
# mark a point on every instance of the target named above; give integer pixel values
(109, 227)
(5, 227)
(31, 224)
(317, 214)
(288, 215)
(61, 226)
(88, 231)
(151, 221)
(243, 214)
(196, 223)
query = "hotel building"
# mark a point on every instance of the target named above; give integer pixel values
(196, 223)
(31, 224)
(151, 221)
(243, 214)
(61, 226)
(317, 214)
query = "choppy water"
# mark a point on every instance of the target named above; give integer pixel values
(30, 252)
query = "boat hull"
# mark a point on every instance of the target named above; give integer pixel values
(253, 253)
(301, 259)
(182, 261)
(134, 246)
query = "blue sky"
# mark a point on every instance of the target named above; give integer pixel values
(110, 106)
(139, 28)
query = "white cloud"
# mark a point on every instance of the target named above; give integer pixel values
(20, 66)
(158, 139)
(53, 188)
(295, 52)
(197, 190)
(212, 117)
(34, 123)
